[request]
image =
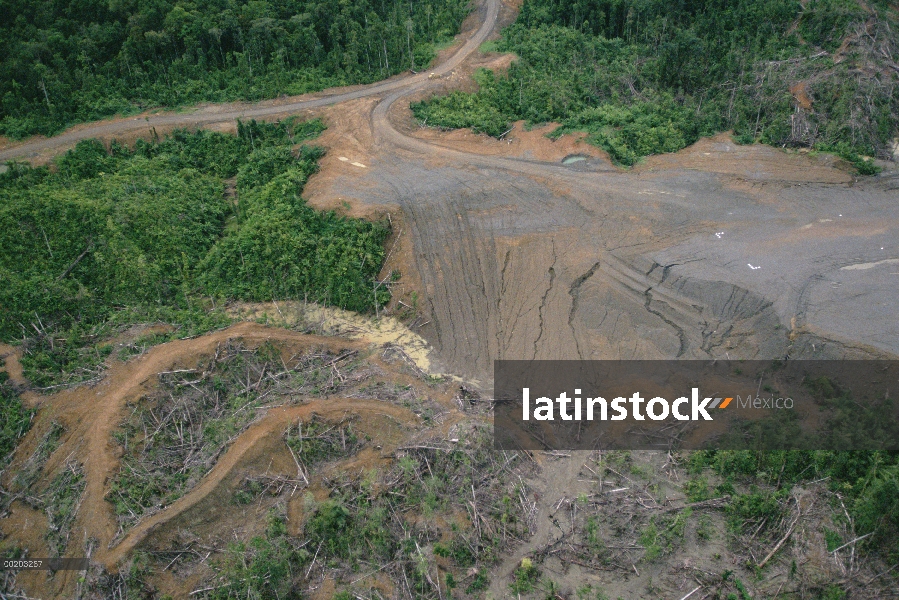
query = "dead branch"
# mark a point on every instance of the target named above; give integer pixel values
(90, 246)
(712, 503)
(861, 537)
(784, 538)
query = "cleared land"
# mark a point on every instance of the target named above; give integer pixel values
(720, 250)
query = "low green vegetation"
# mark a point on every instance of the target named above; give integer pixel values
(264, 567)
(174, 436)
(734, 509)
(15, 420)
(741, 592)
(404, 395)
(315, 440)
(646, 77)
(760, 483)
(311, 442)
(67, 62)
(588, 592)
(526, 577)
(392, 523)
(697, 489)
(664, 535)
(166, 232)
(130, 582)
(29, 472)
(60, 497)
(8, 583)
(61, 502)
(867, 481)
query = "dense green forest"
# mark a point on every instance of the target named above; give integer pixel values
(650, 76)
(67, 61)
(106, 238)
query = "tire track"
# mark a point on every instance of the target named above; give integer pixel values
(575, 292)
(456, 262)
(465, 325)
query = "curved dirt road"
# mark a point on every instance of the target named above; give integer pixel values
(273, 423)
(89, 416)
(719, 250)
(94, 421)
(205, 116)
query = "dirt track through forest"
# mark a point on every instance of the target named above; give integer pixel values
(273, 423)
(717, 251)
(93, 413)
(90, 415)
(222, 113)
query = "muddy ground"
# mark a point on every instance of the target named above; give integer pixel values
(720, 250)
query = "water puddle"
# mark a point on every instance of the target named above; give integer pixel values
(870, 265)
(573, 158)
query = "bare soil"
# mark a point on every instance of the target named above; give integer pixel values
(90, 415)
(11, 365)
(719, 250)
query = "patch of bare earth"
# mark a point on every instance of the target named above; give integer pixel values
(89, 416)
(520, 142)
(720, 154)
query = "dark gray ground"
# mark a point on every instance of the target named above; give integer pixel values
(538, 261)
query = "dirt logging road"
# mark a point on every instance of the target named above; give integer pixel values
(225, 113)
(507, 249)
(717, 251)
